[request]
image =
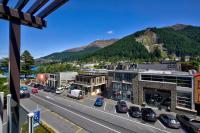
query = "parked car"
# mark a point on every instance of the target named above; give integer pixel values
(148, 114)
(135, 112)
(34, 90)
(189, 124)
(32, 84)
(59, 90)
(24, 92)
(47, 89)
(121, 107)
(99, 101)
(36, 85)
(169, 121)
(41, 87)
(52, 89)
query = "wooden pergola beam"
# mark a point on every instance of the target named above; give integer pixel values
(36, 6)
(24, 18)
(52, 7)
(21, 4)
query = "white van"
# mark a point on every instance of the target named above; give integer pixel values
(78, 94)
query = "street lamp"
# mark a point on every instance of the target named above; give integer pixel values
(16, 18)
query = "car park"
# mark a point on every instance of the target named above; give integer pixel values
(148, 114)
(135, 112)
(189, 124)
(169, 121)
(99, 101)
(121, 107)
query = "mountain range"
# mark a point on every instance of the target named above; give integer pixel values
(177, 40)
(79, 52)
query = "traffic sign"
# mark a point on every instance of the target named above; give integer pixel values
(36, 118)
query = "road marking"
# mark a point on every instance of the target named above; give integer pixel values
(4, 123)
(79, 115)
(104, 106)
(127, 114)
(161, 124)
(118, 116)
(48, 97)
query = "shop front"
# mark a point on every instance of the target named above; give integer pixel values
(122, 91)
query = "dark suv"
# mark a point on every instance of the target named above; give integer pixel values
(121, 107)
(148, 114)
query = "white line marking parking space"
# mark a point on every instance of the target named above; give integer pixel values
(104, 106)
(80, 115)
(161, 124)
(118, 116)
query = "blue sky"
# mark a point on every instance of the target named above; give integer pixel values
(80, 22)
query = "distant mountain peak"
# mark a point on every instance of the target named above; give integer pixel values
(179, 26)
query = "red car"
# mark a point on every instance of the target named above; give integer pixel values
(34, 90)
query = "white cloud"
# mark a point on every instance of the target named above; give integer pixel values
(110, 32)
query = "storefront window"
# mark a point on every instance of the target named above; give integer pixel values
(184, 100)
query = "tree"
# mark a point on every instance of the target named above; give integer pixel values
(27, 62)
(4, 62)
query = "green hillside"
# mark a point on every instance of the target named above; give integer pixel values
(149, 44)
(126, 48)
(181, 42)
(69, 56)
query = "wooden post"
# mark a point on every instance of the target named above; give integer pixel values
(14, 72)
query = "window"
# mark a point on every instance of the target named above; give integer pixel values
(157, 78)
(146, 77)
(184, 100)
(184, 81)
(170, 79)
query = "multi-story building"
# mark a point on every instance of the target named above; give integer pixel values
(61, 78)
(173, 89)
(90, 83)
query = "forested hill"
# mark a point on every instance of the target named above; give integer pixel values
(152, 43)
(179, 40)
(79, 52)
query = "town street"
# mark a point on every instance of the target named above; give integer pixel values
(93, 119)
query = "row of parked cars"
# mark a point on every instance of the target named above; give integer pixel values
(46, 88)
(148, 114)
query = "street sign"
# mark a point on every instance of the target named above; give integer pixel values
(36, 118)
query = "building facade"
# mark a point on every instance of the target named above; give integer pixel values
(172, 89)
(90, 83)
(61, 79)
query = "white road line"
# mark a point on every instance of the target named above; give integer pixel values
(4, 123)
(104, 106)
(118, 116)
(161, 124)
(127, 114)
(80, 115)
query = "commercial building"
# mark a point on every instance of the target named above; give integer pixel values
(172, 89)
(90, 83)
(61, 79)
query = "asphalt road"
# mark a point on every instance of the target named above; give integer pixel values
(96, 120)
